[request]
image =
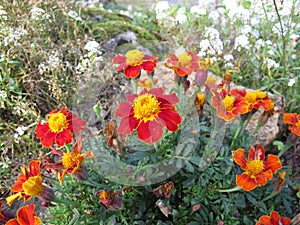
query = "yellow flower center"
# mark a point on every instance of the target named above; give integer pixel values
(33, 186)
(228, 103)
(71, 160)
(134, 57)
(146, 107)
(58, 122)
(298, 124)
(106, 195)
(260, 94)
(254, 167)
(204, 64)
(184, 60)
(251, 97)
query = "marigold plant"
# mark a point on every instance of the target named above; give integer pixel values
(294, 120)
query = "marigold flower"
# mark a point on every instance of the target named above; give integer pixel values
(294, 120)
(257, 170)
(273, 219)
(164, 189)
(25, 216)
(29, 184)
(109, 199)
(133, 62)
(146, 83)
(229, 105)
(148, 113)
(184, 64)
(71, 162)
(59, 128)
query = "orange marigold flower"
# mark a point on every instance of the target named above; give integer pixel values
(133, 62)
(25, 216)
(257, 170)
(294, 120)
(229, 105)
(148, 113)
(29, 184)
(184, 64)
(273, 219)
(59, 128)
(71, 162)
(200, 101)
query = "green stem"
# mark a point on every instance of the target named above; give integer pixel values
(237, 188)
(134, 85)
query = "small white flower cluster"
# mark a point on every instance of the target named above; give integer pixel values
(20, 131)
(3, 14)
(212, 45)
(53, 62)
(74, 15)
(14, 35)
(131, 12)
(91, 58)
(3, 97)
(38, 14)
(241, 42)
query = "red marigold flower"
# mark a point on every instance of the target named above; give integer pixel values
(29, 184)
(229, 105)
(257, 170)
(273, 219)
(294, 120)
(148, 112)
(25, 216)
(109, 199)
(184, 64)
(59, 128)
(71, 162)
(133, 61)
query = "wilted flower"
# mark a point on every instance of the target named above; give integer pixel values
(184, 64)
(279, 183)
(148, 113)
(71, 162)
(257, 170)
(164, 189)
(109, 199)
(273, 219)
(133, 62)
(30, 184)
(25, 216)
(229, 105)
(294, 120)
(59, 128)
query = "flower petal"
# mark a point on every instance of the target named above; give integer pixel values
(34, 168)
(48, 139)
(246, 182)
(149, 66)
(119, 59)
(273, 163)
(132, 71)
(131, 97)
(150, 132)
(41, 129)
(127, 125)
(26, 215)
(171, 119)
(143, 132)
(239, 158)
(123, 110)
(172, 98)
(264, 220)
(156, 91)
(12, 222)
(64, 137)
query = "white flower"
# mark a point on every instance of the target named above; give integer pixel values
(246, 29)
(241, 42)
(197, 9)
(21, 130)
(37, 14)
(3, 14)
(161, 6)
(14, 36)
(214, 15)
(228, 57)
(181, 16)
(292, 81)
(74, 15)
(92, 46)
(272, 63)
(271, 52)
